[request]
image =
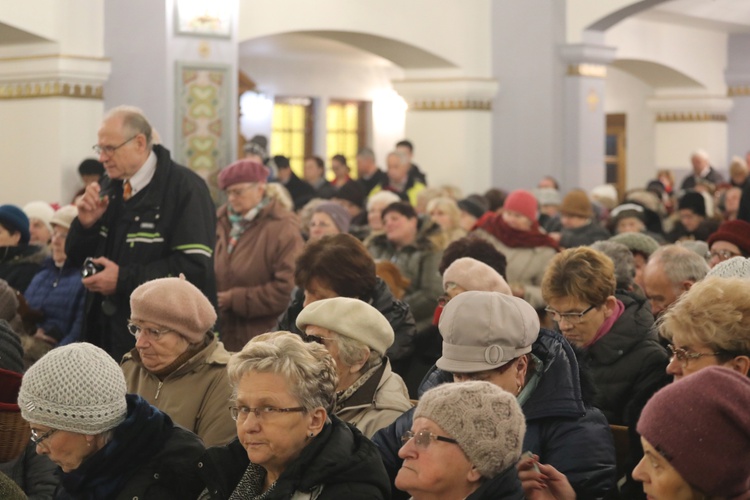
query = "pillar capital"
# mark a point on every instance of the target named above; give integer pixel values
(690, 109)
(53, 75)
(443, 94)
(587, 60)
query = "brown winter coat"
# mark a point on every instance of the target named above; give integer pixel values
(259, 272)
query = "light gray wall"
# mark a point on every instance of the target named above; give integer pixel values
(738, 73)
(528, 111)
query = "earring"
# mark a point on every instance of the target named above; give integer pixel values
(519, 389)
(312, 434)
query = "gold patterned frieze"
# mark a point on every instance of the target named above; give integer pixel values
(739, 91)
(690, 116)
(33, 90)
(588, 70)
(451, 105)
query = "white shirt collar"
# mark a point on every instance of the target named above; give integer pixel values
(143, 176)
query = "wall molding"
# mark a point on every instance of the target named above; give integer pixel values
(739, 91)
(587, 70)
(451, 105)
(690, 116)
(34, 90)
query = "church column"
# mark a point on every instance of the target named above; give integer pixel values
(584, 118)
(738, 90)
(449, 121)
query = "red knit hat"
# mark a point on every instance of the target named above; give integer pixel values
(701, 425)
(736, 232)
(523, 202)
(243, 171)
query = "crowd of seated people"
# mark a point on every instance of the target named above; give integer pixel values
(367, 336)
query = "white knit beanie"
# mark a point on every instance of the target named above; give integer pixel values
(486, 421)
(40, 210)
(736, 267)
(77, 388)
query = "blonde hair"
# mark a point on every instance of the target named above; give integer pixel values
(580, 273)
(715, 312)
(308, 368)
(737, 167)
(445, 237)
(276, 191)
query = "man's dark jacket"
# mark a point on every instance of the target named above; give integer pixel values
(165, 229)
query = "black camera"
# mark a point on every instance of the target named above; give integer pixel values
(89, 268)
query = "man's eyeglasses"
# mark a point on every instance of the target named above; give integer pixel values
(722, 255)
(684, 356)
(240, 413)
(109, 150)
(37, 438)
(571, 317)
(137, 330)
(424, 437)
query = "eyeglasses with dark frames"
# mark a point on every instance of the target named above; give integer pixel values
(684, 356)
(137, 330)
(571, 317)
(424, 437)
(109, 150)
(240, 413)
(37, 438)
(316, 338)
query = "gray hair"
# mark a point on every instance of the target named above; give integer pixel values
(353, 351)
(366, 152)
(680, 264)
(133, 120)
(623, 260)
(308, 368)
(402, 158)
(700, 153)
(385, 197)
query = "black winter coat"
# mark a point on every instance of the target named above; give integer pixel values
(35, 474)
(166, 229)
(561, 427)
(19, 265)
(395, 311)
(628, 364)
(340, 459)
(148, 458)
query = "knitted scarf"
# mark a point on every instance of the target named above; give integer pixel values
(136, 440)
(515, 238)
(240, 223)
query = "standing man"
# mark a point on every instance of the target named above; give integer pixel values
(702, 169)
(148, 218)
(405, 147)
(398, 179)
(368, 173)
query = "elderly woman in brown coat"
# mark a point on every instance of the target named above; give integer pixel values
(257, 243)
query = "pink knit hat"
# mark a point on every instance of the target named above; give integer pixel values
(523, 202)
(470, 274)
(174, 303)
(243, 171)
(701, 425)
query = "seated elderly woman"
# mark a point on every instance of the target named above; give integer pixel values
(369, 395)
(494, 337)
(445, 213)
(289, 444)
(339, 266)
(709, 325)
(415, 255)
(108, 444)
(178, 364)
(463, 444)
(375, 206)
(696, 437)
(328, 219)
(732, 239)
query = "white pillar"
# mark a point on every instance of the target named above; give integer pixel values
(738, 89)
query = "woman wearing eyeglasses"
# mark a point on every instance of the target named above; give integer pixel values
(369, 395)
(178, 364)
(614, 330)
(709, 325)
(732, 239)
(108, 444)
(288, 443)
(463, 435)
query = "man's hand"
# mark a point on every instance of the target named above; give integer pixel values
(547, 484)
(224, 300)
(105, 281)
(91, 205)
